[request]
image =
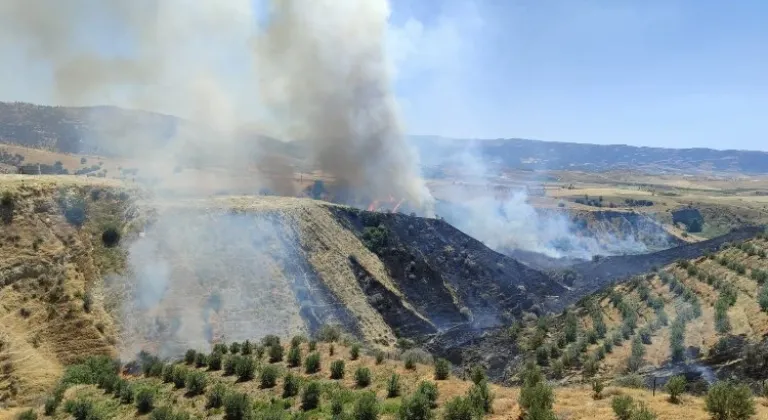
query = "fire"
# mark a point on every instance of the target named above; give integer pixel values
(395, 205)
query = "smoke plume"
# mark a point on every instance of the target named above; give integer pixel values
(327, 80)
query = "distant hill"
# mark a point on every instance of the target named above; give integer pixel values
(535, 154)
(112, 131)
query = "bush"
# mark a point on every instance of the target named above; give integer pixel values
(214, 361)
(82, 409)
(597, 389)
(417, 407)
(312, 364)
(126, 393)
(201, 360)
(27, 415)
(269, 376)
(481, 398)
(51, 403)
(393, 386)
(366, 407)
(728, 401)
(270, 340)
(145, 400)
(536, 397)
(459, 408)
(623, 407)
(189, 356)
(275, 354)
(245, 369)
(290, 386)
(354, 352)
(337, 406)
(167, 374)
(310, 399)
(220, 348)
(442, 369)
(329, 333)
(337, 369)
(294, 357)
(230, 364)
(167, 413)
(216, 396)
(675, 386)
(429, 389)
(196, 383)
(180, 376)
(363, 377)
(633, 380)
(478, 375)
(238, 406)
(642, 412)
(247, 348)
(379, 357)
(234, 348)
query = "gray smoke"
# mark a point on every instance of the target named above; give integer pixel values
(327, 80)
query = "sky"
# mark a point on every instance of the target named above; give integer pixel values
(670, 73)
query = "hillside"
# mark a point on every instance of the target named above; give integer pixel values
(233, 383)
(115, 132)
(125, 272)
(706, 318)
(552, 156)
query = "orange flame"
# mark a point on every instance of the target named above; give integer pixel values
(399, 203)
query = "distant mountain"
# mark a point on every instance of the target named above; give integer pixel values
(536, 154)
(112, 131)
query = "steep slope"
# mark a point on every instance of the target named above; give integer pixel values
(52, 260)
(92, 267)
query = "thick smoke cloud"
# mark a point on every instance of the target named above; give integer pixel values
(327, 79)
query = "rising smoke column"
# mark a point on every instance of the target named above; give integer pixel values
(326, 79)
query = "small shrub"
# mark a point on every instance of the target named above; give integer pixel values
(297, 340)
(310, 398)
(366, 407)
(126, 394)
(269, 376)
(234, 348)
(189, 356)
(216, 396)
(379, 357)
(331, 349)
(417, 407)
(312, 364)
(459, 408)
(429, 389)
(294, 357)
(329, 333)
(442, 369)
(196, 383)
(27, 415)
(410, 363)
(728, 401)
(354, 352)
(238, 406)
(623, 407)
(247, 348)
(478, 375)
(290, 386)
(167, 413)
(220, 348)
(179, 376)
(632, 380)
(675, 387)
(481, 397)
(597, 389)
(201, 360)
(536, 397)
(312, 345)
(337, 406)
(230, 364)
(393, 386)
(82, 409)
(363, 377)
(167, 374)
(275, 354)
(270, 341)
(245, 369)
(214, 361)
(51, 403)
(145, 400)
(337, 369)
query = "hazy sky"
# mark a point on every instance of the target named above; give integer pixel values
(656, 73)
(676, 73)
